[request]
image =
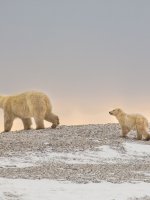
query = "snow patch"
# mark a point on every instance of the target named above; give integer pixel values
(137, 149)
(56, 190)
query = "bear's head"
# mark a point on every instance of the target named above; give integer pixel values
(55, 121)
(116, 112)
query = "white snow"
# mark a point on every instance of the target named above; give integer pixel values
(55, 190)
(107, 152)
(134, 149)
(15, 161)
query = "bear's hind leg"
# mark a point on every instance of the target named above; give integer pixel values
(39, 123)
(27, 123)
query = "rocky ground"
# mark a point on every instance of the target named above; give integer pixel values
(72, 139)
(80, 154)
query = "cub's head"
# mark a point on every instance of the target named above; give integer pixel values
(55, 121)
(116, 112)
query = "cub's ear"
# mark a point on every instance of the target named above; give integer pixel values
(119, 110)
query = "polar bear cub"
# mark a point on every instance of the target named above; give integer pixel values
(132, 122)
(25, 106)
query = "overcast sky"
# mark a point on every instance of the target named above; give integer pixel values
(89, 56)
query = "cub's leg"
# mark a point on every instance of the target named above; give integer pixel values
(139, 135)
(39, 123)
(27, 123)
(8, 122)
(142, 132)
(125, 131)
(146, 135)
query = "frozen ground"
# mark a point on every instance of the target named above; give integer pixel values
(76, 162)
(55, 190)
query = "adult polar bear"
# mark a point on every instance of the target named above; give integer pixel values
(26, 105)
(132, 122)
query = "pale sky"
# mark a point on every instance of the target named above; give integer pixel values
(89, 56)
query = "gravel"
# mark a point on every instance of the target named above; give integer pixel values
(71, 139)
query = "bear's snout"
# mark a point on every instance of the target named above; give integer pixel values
(110, 113)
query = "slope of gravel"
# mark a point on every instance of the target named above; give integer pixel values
(72, 139)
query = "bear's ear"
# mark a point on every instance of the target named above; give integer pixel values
(119, 110)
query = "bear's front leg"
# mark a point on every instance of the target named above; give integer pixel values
(39, 123)
(125, 131)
